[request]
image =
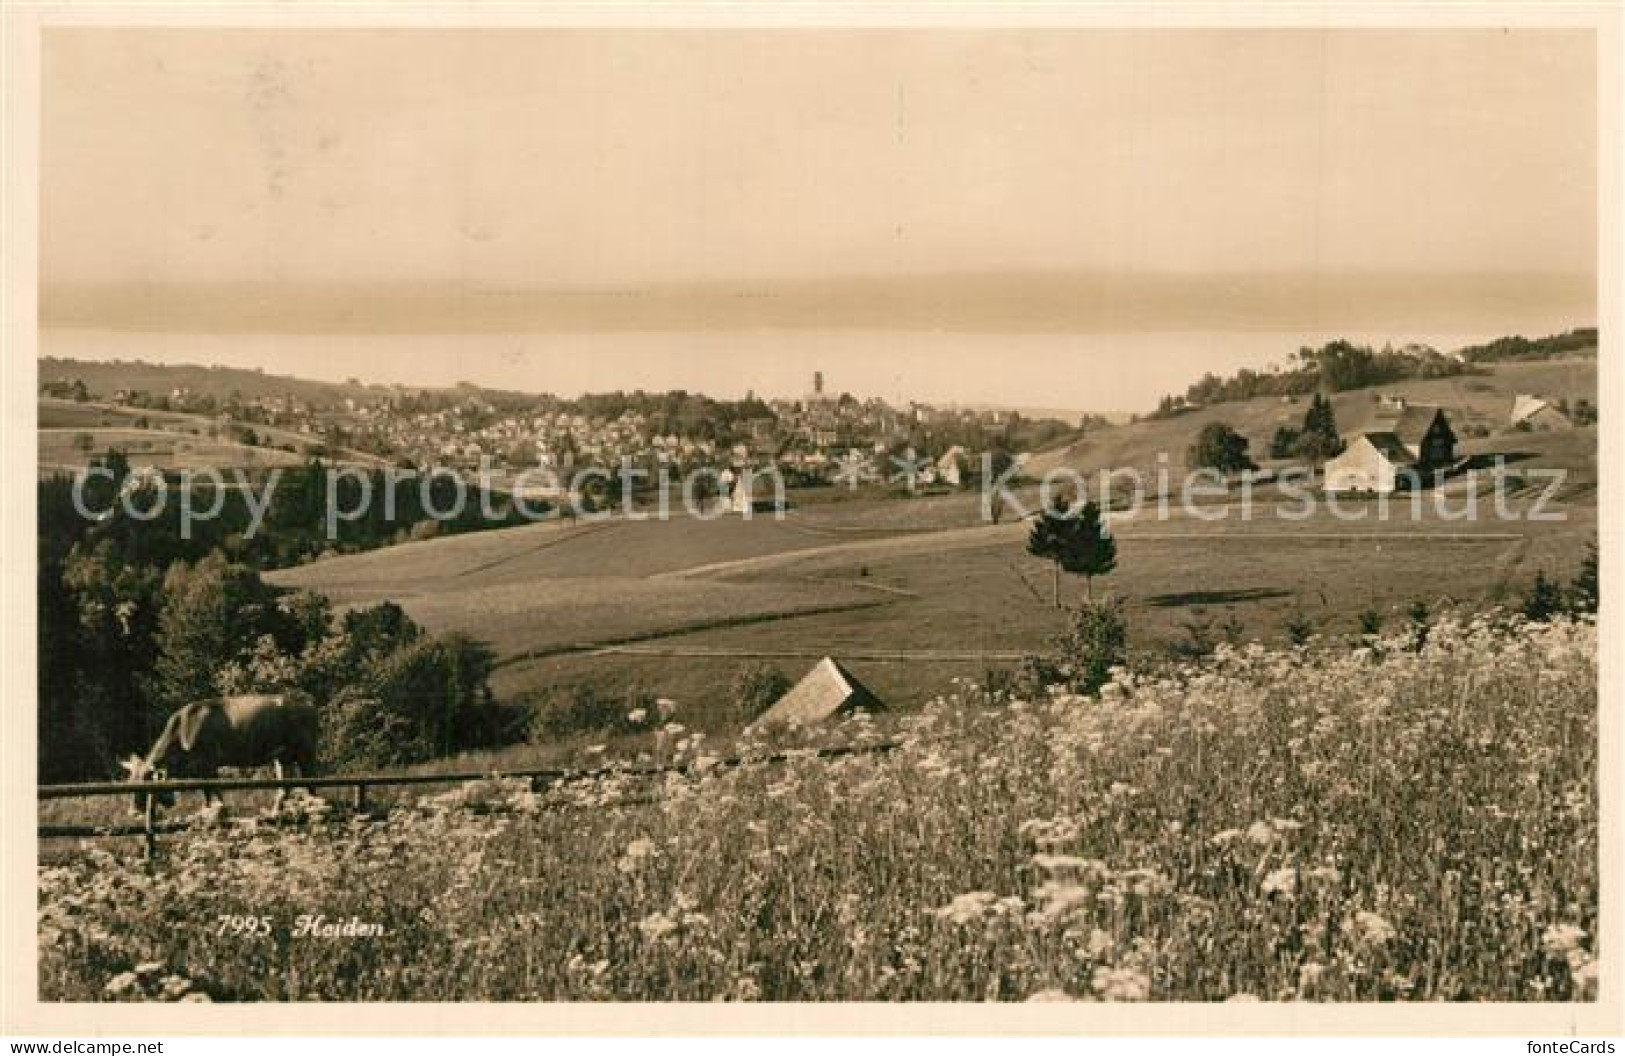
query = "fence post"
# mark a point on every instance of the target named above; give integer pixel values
(149, 818)
(360, 796)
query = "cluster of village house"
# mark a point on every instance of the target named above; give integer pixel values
(1405, 443)
(819, 436)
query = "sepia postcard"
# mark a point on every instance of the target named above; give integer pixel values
(811, 519)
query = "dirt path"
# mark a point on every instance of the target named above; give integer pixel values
(936, 541)
(564, 536)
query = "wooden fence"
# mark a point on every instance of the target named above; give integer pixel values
(150, 827)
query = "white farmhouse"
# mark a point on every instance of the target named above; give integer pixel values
(951, 466)
(1401, 443)
(1371, 462)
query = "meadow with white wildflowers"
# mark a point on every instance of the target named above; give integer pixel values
(1408, 820)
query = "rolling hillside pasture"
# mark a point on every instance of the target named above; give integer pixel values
(526, 618)
(1470, 400)
(61, 449)
(551, 550)
(1256, 575)
(70, 414)
(691, 603)
(174, 439)
(549, 586)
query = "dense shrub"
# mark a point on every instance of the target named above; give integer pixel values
(1544, 599)
(1585, 590)
(389, 693)
(756, 688)
(1082, 656)
(426, 699)
(582, 709)
(1219, 447)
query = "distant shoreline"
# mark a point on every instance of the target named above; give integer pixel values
(1125, 373)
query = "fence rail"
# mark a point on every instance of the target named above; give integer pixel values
(150, 827)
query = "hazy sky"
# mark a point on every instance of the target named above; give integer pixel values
(361, 181)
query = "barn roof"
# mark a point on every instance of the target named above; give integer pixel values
(1524, 406)
(1390, 445)
(1409, 423)
(828, 689)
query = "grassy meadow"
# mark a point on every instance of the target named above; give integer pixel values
(167, 440)
(848, 580)
(1413, 819)
(63, 450)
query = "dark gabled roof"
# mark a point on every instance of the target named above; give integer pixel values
(1409, 423)
(1392, 448)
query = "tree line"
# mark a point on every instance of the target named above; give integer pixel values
(1334, 367)
(1340, 365)
(1517, 347)
(135, 621)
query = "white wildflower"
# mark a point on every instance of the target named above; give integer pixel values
(1370, 928)
(1120, 984)
(1283, 882)
(967, 908)
(1560, 939)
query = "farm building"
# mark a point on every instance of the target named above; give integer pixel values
(1371, 462)
(1532, 412)
(826, 691)
(752, 490)
(951, 466)
(1421, 428)
(1401, 437)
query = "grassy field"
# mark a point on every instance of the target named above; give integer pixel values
(168, 440)
(742, 592)
(1394, 822)
(62, 449)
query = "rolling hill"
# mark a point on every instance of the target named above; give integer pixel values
(105, 377)
(1474, 403)
(70, 434)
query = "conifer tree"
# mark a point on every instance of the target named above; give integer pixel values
(1074, 541)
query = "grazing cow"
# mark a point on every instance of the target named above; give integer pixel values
(248, 731)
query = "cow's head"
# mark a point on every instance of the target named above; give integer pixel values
(137, 770)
